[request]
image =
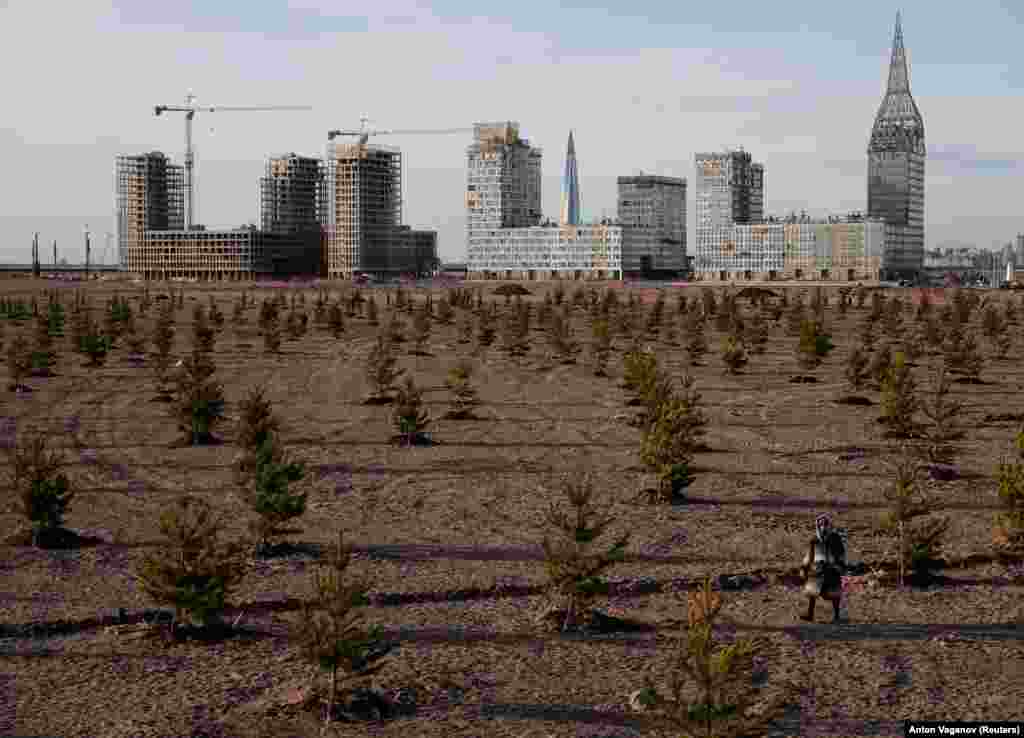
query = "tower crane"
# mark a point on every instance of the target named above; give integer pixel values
(364, 133)
(190, 108)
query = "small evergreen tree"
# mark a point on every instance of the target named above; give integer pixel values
(409, 416)
(899, 398)
(857, 368)
(19, 361)
(723, 676)
(696, 338)
(918, 542)
(1008, 528)
(484, 330)
(194, 573)
(600, 347)
(942, 414)
(44, 356)
(270, 327)
(42, 490)
(574, 572)
(561, 340)
(270, 497)
(330, 629)
(421, 330)
(880, 364)
(200, 398)
(961, 353)
(671, 439)
(336, 320)
(814, 346)
(464, 394)
(734, 356)
(163, 340)
(381, 370)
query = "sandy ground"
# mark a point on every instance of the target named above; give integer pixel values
(450, 533)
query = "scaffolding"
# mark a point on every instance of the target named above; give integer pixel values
(362, 209)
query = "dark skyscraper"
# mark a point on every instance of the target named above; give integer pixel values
(570, 187)
(896, 157)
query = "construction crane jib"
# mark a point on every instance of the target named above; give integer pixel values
(364, 133)
(190, 108)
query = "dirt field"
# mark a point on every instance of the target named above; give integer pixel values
(450, 535)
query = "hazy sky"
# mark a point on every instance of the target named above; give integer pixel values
(644, 86)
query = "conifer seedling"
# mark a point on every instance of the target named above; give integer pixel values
(193, 571)
(573, 570)
(720, 674)
(382, 370)
(409, 416)
(464, 394)
(331, 631)
(42, 490)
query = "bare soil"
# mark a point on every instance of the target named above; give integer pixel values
(449, 533)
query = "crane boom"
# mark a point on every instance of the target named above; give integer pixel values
(364, 134)
(190, 108)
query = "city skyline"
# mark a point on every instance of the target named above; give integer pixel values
(639, 106)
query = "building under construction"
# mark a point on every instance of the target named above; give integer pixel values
(362, 215)
(153, 243)
(150, 196)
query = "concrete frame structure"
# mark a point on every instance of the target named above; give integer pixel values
(362, 209)
(291, 195)
(149, 195)
(652, 213)
(896, 163)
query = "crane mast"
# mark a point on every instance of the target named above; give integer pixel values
(190, 108)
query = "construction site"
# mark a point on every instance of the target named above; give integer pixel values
(332, 217)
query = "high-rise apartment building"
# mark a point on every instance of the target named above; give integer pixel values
(729, 189)
(503, 183)
(291, 193)
(896, 163)
(652, 214)
(570, 187)
(362, 208)
(149, 196)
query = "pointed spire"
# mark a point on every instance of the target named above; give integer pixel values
(899, 80)
(570, 187)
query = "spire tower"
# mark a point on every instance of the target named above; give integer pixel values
(570, 187)
(896, 160)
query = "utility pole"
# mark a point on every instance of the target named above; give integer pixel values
(55, 252)
(87, 252)
(35, 255)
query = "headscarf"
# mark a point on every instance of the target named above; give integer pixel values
(822, 527)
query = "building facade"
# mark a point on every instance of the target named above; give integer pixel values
(652, 213)
(503, 182)
(580, 252)
(896, 165)
(149, 195)
(833, 249)
(729, 189)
